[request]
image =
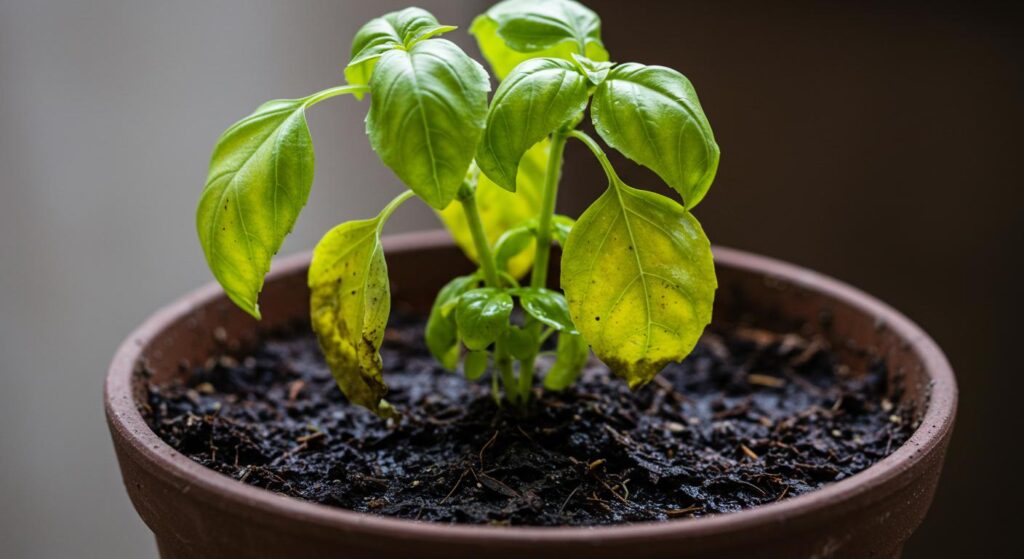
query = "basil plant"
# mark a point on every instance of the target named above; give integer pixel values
(637, 277)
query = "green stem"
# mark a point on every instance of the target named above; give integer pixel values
(542, 260)
(602, 158)
(389, 209)
(467, 196)
(334, 92)
(539, 277)
(502, 360)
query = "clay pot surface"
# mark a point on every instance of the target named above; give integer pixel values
(196, 512)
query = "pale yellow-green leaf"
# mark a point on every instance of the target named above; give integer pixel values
(401, 29)
(503, 59)
(260, 176)
(639, 280)
(350, 300)
(501, 210)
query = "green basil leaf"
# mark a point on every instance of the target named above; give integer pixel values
(639, 280)
(427, 115)
(571, 356)
(482, 316)
(513, 243)
(350, 300)
(596, 72)
(561, 226)
(651, 114)
(538, 97)
(513, 31)
(520, 343)
(475, 364)
(546, 306)
(401, 29)
(441, 332)
(260, 176)
(501, 210)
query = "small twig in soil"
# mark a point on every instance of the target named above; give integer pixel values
(561, 509)
(487, 445)
(455, 487)
(676, 513)
(294, 389)
(311, 437)
(497, 485)
(749, 453)
(765, 380)
(612, 491)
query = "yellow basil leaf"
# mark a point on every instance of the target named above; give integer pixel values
(639, 280)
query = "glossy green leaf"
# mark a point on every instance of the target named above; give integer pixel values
(547, 306)
(571, 356)
(475, 364)
(501, 210)
(536, 99)
(639, 280)
(350, 300)
(652, 115)
(513, 31)
(259, 179)
(482, 316)
(401, 29)
(427, 115)
(441, 332)
(596, 72)
(520, 342)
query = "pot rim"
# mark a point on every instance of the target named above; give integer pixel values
(259, 504)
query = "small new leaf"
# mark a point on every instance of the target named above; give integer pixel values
(501, 210)
(561, 226)
(651, 114)
(547, 306)
(513, 31)
(441, 332)
(571, 356)
(512, 243)
(596, 72)
(520, 343)
(536, 99)
(401, 29)
(639, 281)
(260, 176)
(427, 115)
(482, 316)
(475, 364)
(350, 300)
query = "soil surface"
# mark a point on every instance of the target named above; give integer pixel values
(751, 417)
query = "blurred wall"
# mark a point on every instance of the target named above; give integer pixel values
(108, 112)
(875, 142)
(880, 143)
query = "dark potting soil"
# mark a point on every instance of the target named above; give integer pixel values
(751, 417)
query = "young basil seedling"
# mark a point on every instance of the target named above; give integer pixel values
(637, 275)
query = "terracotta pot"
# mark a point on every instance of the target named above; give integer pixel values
(196, 512)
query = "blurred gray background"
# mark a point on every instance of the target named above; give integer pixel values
(876, 142)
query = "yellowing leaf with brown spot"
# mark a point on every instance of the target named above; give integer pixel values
(639, 280)
(350, 301)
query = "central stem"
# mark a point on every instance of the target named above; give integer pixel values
(541, 263)
(502, 359)
(467, 196)
(539, 277)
